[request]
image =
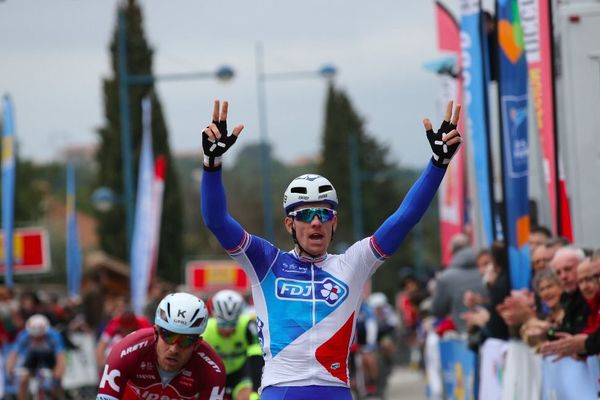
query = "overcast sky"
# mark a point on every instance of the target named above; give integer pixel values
(55, 55)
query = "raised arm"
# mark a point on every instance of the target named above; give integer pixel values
(444, 144)
(215, 142)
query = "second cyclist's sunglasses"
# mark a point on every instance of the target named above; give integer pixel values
(308, 214)
(170, 338)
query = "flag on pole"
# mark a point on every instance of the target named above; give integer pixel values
(73, 246)
(8, 188)
(452, 190)
(143, 249)
(475, 82)
(158, 188)
(535, 17)
(515, 144)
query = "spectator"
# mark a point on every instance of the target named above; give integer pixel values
(549, 288)
(461, 276)
(587, 281)
(538, 235)
(564, 263)
(539, 259)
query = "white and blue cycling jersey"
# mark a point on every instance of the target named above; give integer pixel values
(53, 341)
(306, 308)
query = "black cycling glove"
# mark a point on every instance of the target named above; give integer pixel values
(214, 150)
(442, 153)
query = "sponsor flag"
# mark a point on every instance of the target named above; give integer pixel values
(141, 249)
(8, 188)
(515, 145)
(158, 188)
(475, 83)
(452, 190)
(73, 246)
(536, 23)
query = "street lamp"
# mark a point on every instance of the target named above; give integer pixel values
(328, 72)
(224, 73)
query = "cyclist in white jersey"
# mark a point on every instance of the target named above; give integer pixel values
(307, 299)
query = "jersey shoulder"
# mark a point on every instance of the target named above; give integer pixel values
(206, 359)
(133, 347)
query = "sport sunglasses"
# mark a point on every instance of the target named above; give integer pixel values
(170, 338)
(308, 214)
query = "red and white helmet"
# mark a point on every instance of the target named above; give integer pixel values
(37, 325)
(182, 313)
(309, 188)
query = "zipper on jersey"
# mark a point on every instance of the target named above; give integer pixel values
(314, 301)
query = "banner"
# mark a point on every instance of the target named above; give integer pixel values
(30, 250)
(515, 144)
(433, 366)
(475, 83)
(536, 22)
(142, 248)
(8, 188)
(522, 373)
(452, 190)
(458, 369)
(73, 246)
(492, 358)
(568, 379)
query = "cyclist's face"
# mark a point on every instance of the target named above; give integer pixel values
(313, 236)
(172, 357)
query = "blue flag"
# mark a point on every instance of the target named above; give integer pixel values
(513, 86)
(73, 246)
(8, 188)
(475, 81)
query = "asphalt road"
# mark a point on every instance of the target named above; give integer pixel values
(406, 384)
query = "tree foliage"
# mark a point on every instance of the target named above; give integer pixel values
(112, 228)
(382, 184)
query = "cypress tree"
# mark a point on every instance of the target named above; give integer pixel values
(381, 189)
(112, 228)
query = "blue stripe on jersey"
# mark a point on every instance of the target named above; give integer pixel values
(392, 232)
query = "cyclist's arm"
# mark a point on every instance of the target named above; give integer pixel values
(391, 233)
(59, 368)
(214, 211)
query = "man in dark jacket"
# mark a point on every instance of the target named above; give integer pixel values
(461, 275)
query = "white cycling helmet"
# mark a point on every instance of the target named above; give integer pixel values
(377, 299)
(227, 305)
(37, 325)
(182, 313)
(309, 188)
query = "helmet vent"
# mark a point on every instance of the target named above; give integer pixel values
(298, 190)
(196, 313)
(163, 315)
(169, 309)
(198, 322)
(325, 188)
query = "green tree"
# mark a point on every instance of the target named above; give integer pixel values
(382, 184)
(111, 228)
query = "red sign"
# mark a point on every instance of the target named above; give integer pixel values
(31, 251)
(213, 275)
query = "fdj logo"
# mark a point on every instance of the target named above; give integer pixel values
(328, 290)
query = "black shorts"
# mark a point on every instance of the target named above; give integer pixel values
(236, 378)
(39, 359)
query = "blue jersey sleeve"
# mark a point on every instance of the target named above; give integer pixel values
(392, 232)
(20, 344)
(57, 339)
(214, 211)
